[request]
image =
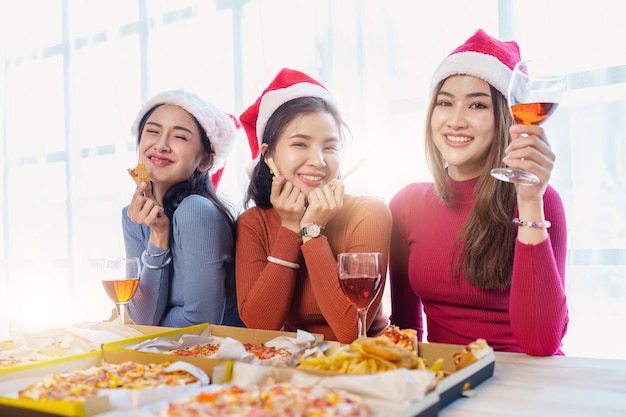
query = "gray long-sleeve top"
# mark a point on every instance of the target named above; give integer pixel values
(198, 286)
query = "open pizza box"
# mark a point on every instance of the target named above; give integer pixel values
(48, 344)
(12, 382)
(14, 378)
(109, 400)
(219, 370)
(389, 394)
(447, 390)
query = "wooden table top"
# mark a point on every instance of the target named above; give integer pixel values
(553, 386)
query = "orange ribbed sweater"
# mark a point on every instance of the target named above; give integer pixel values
(276, 297)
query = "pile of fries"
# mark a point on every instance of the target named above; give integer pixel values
(369, 356)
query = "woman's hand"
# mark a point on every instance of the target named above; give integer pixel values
(144, 209)
(288, 201)
(530, 151)
(324, 203)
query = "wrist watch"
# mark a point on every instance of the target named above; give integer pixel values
(311, 230)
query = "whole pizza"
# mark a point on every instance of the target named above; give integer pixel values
(272, 400)
(84, 384)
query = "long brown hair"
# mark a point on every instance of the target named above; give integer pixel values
(484, 246)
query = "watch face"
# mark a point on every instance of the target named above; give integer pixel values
(313, 230)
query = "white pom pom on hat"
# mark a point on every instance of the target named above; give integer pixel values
(482, 56)
(287, 85)
(220, 127)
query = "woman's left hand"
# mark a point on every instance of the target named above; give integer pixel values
(530, 151)
(324, 203)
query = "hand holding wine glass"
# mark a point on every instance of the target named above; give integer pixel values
(120, 279)
(534, 92)
(360, 277)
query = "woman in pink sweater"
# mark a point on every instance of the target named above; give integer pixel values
(456, 250)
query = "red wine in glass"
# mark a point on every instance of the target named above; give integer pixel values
(360, 289)
(360, 276)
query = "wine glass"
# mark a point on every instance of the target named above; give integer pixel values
(360, 277)
(120, 279)
(533, 94)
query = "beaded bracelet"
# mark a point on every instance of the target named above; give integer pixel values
(163, 265)
(534, 225)
(282, 262)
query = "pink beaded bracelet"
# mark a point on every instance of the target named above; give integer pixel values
(534, 225)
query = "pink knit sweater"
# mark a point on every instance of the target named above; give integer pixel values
(531, 316)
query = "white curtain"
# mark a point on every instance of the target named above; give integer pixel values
(74, 73)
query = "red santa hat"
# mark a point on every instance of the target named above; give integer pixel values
(287, 85)
(481, 56)
(220, 127)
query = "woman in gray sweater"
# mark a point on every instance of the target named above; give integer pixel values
(182, 232)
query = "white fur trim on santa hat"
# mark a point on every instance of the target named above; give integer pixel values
(273, 99)
(486, 67)
(219, 126)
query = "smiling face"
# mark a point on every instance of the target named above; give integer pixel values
(171, 147)
(463, 125)
(307, 152)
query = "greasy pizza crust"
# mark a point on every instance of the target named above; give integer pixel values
(139, 173)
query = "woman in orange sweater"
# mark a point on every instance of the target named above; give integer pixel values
(287, 243)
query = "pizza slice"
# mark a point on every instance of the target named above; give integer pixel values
(405, 338)
(471, 353)
(139, 173)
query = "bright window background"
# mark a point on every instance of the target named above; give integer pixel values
(74, 73)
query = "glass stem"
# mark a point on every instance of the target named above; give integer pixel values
(121, 312)
(362, 319)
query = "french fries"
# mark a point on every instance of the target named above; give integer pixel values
(369, 356)
(273, 167)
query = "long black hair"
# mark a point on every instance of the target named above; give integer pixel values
(199, 183)
(261, 178)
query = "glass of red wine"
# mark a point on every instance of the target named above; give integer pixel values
(360, 276)
(534, 93)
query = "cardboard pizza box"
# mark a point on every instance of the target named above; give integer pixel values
(447, 390)
(12, 382)
(14, 378)
(456, 385)
(120, 401)
(36, 353)
(217, 369)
